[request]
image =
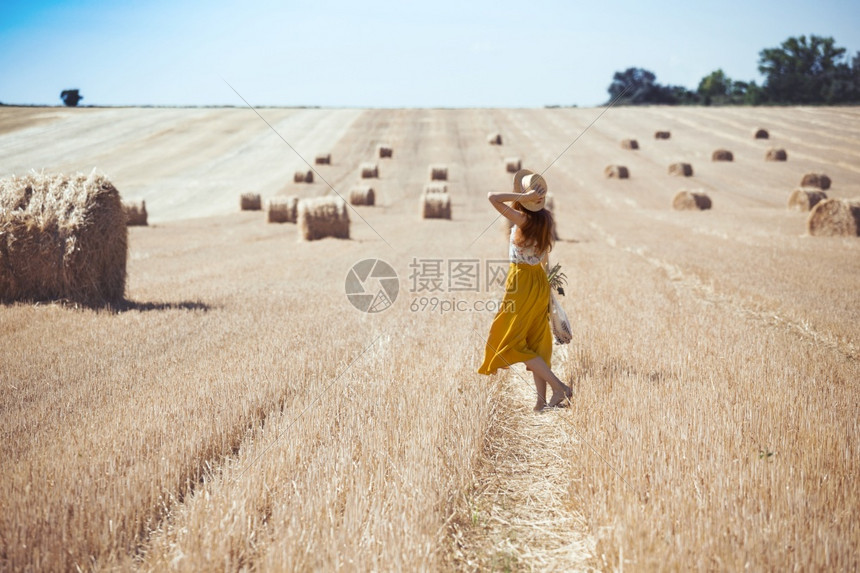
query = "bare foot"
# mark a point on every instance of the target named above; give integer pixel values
(541, 404)
(561, 399)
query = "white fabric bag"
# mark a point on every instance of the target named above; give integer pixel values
(558, 321)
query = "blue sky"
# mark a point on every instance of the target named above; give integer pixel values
(388, 54)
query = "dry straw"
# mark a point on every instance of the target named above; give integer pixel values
(438, 173)
(384, 150)
(302, 176)
(817, 180)
(662, 135)
(436, 206)
(835, 218)
(436, 188)
(616, 172)
(691, 200)
(250, 202)
(62, 237)
(322, 217)
(776, 155)
(761, 134)
(495, 139)
(369, 171)
(362, 195)
(722, 155)
(282, 209)
(681, 169)
(805, 199)
(135, 212)
(323, 159)
(629, 144)
(513, 164)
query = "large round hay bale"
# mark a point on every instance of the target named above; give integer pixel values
(362, 195)
(282, 209)
(629, 144)
(323, 159)
(722, 155)
(662, 135)
(250, 202)
(817, 180)
(616, 172)
(761, 134)
(835, 218)
(513, 164)
(436, 206)
(776, 155)
(438, 173)
(681, 169)
(302, 176)
(322, 217)
(135, 212)
(691, 200)
(62, 237)
(805, 199)
(385, 150)
(369, 170)
(495, 139)
(435, 187)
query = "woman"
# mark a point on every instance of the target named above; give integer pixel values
(520, 331)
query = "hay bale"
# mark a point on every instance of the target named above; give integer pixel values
(513, 164)
(549, 204)
(302, 176)
(436, 206)
(250, 202)
(369, 171)
(681, 169)
(691, 200)
(494, 139)
(722, 155)
(435, 188)
(322, 217)
(362, 195)
(835, 218)
(135, 213)
(776, 155)
(662, 135)
(384, 150)
(616, 172)
(761, 134)
(817, 180)
(62, 237)
(282, 209)
(629, 144)
(438, 173)
(323, 159)
(805, 199)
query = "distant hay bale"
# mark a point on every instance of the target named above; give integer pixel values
(62, 237)
(436, 206)
(369, 171)
(385, 150)
(616, 172)
(805, 199)
(818, 180)
(323, 159)
(691, 200)
(135, 213)
(513, 164)
(282, 209)
(722, 155)
(362, 195)
(629, 144)
(322, 217)
(438, 173)
(662, 135)
(776, 155)
(302, 176)
(549, 204)
(835, 218)
(435, 188)
(681, 169)
(250, 202)
(495, 139)
(761, 134)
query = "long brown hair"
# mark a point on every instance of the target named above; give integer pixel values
(537, 230)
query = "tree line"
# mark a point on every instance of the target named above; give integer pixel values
(800, 71)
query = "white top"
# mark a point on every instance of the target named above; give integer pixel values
(527, 255)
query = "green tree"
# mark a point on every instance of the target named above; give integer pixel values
(807, 71)
(640, 86)
(715, 85)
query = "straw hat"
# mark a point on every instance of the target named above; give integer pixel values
(526, 180)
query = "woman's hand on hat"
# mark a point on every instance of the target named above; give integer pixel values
(535, 194)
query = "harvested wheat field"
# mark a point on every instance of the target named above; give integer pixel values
(235, 411)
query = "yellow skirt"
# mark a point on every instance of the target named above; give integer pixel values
(521, 329)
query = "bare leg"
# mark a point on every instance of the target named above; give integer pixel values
(560, 390)
(540, 387)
